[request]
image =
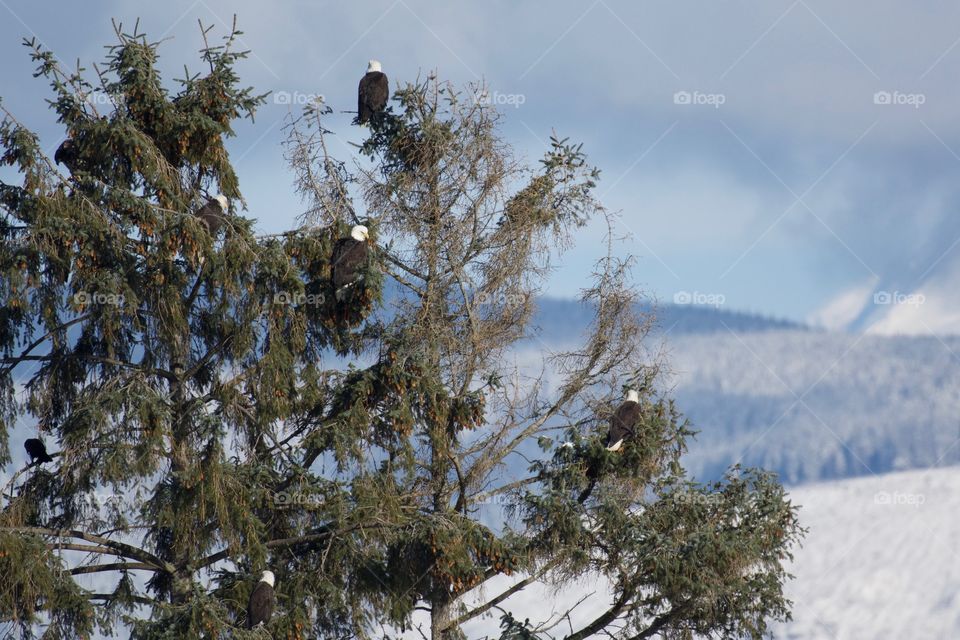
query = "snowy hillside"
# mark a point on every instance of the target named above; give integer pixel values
(880, 561)
(816, 405)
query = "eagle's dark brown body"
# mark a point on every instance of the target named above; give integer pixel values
(348, 259)
(373, 94)
(262, 602)
(37, 451)
(622, 424)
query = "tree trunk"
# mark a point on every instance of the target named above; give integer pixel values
(441, 613)
(179, 461)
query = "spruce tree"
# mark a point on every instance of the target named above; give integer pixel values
(243, 417)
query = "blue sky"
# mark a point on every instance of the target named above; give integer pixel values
(775, 153)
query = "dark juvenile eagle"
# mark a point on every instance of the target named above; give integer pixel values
(65, 152)
(348, 259)
(373, 92)
(67, 155)
(262, 601)
(624, 420)
(212, 213)
(37, 451)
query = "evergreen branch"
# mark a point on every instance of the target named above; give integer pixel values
(11, 483)
(674, 615)
(89, 548)
(319, 535)
(600, 622)
(114, 566)
(126, 550)
(473, 613)
(471, 321)
(39, 341)
(408, 269)
(208, 356)
(132, 598)
(494, 455)
(516, 484)
(97, 360)
(196, 287)
(461, 504)
(279, 543)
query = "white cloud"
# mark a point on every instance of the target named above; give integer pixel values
(843, 309)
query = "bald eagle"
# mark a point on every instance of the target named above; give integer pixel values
(624, 420)
(349, 257)
(213, 212)
(262, 601)
(37, 451)
(373, 93)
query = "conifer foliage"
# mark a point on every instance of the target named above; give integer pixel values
(215, 411)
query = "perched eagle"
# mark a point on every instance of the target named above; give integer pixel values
(66, 154)
(349, 257)
(624, 420)
(262, 601)
(37, 451)
(212, 213)
(373, 93)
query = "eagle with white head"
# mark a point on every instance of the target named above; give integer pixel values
(373, 93)
(624, 420)
(349, 258)
(213, 212)
(262, 601)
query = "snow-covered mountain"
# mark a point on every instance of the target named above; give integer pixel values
(880, 559)
(818, 405)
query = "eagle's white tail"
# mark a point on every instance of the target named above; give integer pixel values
(342, 291)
